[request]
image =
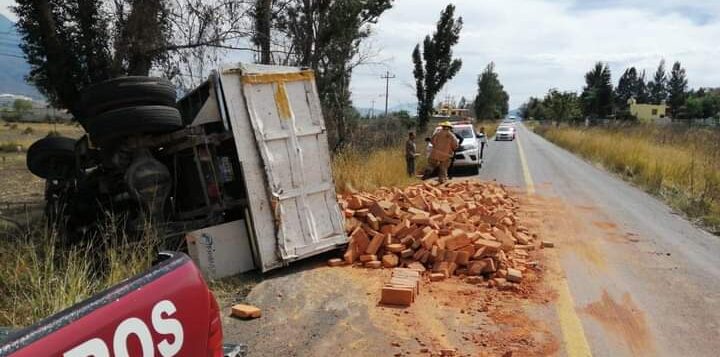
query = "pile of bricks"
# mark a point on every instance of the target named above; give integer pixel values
(467, 228)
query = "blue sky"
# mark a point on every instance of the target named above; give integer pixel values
(539, 44)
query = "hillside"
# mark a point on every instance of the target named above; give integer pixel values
(13, 67)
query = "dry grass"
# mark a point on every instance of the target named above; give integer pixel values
(42, 275)
(18, 134)
(353, 170)
(18, 184)
(681, 166)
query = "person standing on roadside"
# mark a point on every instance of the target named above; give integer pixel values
(483, 141)
(410, 154)
(444, 144)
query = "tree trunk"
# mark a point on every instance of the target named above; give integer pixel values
(263, 25)
(309, 39)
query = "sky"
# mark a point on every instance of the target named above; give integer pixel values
(541, 44)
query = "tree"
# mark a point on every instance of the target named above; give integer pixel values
(71, 44)
(263, 28)
(561, 106)
(657, 88)
(677, 88)
(626, 88)
(694, 108)
(22, 106)
(462, 103)
(435, 65)
(641, 89)
(597, 95)
(532, 109)
(631, 85)
(492, 100)
(326, 35)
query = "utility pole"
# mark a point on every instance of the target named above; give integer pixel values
(372, 111)
(387, 77)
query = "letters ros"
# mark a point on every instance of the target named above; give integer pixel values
(134, 326)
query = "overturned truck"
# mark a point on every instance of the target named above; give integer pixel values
(239, 167)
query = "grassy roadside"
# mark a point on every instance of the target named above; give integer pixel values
(42, 275)
(353, 170)
(682, 166)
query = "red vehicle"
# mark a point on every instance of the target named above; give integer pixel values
(166, 311)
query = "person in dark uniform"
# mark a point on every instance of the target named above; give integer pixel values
(410, 154)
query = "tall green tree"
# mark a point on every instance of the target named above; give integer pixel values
(533, 109)
(597, 95)
(677, 88)
(326, 36)
(562, 106)
(434, 66)
(657, 88)
(626, 88)
(641, 89)
(631, 85)
(491, 101)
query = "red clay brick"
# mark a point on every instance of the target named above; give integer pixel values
(246, 311)
(391, 295)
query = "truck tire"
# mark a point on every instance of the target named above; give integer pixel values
(147, 119)
(52, 157)
(126, 92)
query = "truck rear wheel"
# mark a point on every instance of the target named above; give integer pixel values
(126, 92)
(52, 157)
(148, 119)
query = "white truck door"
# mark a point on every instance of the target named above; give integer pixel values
(284, 110)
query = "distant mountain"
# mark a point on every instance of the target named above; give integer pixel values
(13, 67)
(411, 108)
(408, 107)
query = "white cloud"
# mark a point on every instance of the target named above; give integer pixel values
(5, 9)
(538, 44)
(541, 44)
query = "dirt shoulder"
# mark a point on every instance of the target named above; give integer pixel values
(315, 310)
(311, 309)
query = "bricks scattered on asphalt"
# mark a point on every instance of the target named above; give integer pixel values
(464, 228)
(243, 311)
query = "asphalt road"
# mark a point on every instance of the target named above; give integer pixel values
(642, 280)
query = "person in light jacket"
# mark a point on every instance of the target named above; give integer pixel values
(444, 144)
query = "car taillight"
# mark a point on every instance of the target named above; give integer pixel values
(215, 335)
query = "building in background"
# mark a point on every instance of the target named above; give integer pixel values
(447, 111)
(647, 112)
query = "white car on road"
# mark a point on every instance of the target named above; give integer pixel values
(505, 132)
